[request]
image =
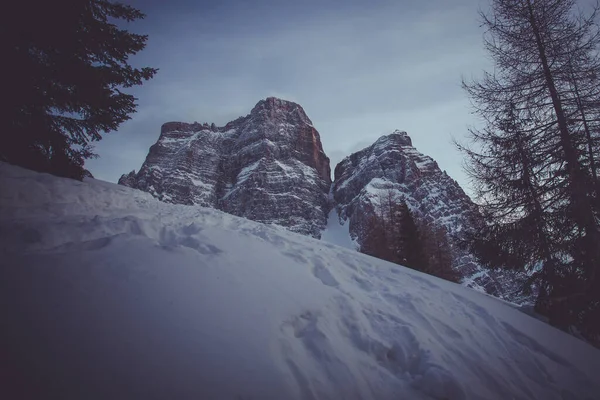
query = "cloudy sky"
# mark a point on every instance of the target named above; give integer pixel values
(360, 69)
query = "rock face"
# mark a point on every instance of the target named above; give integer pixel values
(393, 164)
(268, 166)
(393, 167)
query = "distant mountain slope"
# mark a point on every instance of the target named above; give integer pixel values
(268, 166)
(106, 292)
(392, 163)
(393, 166)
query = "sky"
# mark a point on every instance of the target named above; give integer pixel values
(360, 69)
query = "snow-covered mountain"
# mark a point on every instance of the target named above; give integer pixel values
(268, 166)
(393, 167)
(363, 179)
(106, 292)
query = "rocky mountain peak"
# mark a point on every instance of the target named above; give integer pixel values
(397, 137)
(277, 110)
(391, 166)
(268, 166)
(391, 163)
(274, 103)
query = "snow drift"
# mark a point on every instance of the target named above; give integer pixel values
(106, 292)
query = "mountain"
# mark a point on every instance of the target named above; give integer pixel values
(268, 166)
(392, 168)
(393, 164)
(108, 293)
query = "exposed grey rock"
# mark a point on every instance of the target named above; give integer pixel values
(392, 165)
(268, 166)
(127, 179)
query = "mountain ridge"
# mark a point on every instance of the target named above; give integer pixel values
(270, 166)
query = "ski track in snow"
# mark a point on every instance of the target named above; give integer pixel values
(107, 293)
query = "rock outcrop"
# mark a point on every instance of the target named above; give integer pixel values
(393, 164)
(268, 166)
(393, 167)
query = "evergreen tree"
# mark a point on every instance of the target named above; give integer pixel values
(391, 214)
(393, 234)
(411, 244)
(376, 242)
(67, 63)
(535, 160)
(438, 251)
(509, 176)
(381, 229)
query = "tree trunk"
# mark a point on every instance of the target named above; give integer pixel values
(583, 210)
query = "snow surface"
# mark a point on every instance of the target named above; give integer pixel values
(336, 233)
(106, 292)
(245, 172)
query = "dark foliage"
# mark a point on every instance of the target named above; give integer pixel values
(394, 235)
(534, 162)
(376, 242)
(66, 63)
(411, 241)
(438, 251)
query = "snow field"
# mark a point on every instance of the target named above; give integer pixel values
(107, 293)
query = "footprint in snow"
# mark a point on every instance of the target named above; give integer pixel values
(321, 272)
(363, 283)
(189, 237)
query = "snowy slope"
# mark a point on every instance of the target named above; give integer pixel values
(338, 232)
(106, 292)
